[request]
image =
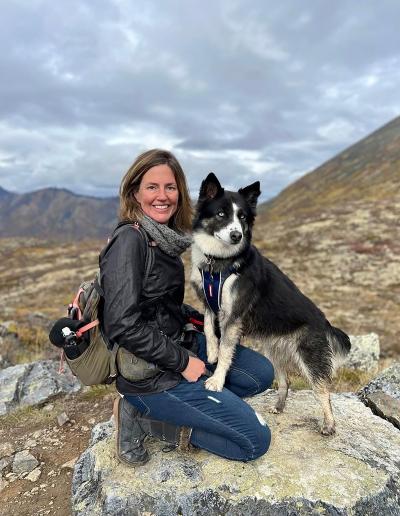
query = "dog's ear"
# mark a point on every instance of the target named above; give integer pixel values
(210, 188)
(251, 193)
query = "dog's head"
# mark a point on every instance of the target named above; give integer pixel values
(224, 219)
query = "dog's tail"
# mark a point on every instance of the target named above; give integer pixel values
(341, 345)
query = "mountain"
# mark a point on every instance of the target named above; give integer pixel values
(54, 213)
(335, 232)
(369, 170)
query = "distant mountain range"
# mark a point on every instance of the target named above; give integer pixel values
(369, 169)
(54, 213)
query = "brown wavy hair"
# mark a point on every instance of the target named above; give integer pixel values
(130, 209)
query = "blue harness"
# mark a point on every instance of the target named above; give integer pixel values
(212, 286)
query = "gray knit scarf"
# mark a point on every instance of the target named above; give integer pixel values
(169, 240)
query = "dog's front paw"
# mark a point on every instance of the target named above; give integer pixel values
(213, 384)
(328, 429)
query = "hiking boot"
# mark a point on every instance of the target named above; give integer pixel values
(176, 436)
(130, 435)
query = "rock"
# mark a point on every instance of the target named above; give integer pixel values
(33, 384)
(24, 462)
(382, 394)
(48, 408)
(62, 419)
(70, 464)
(364, 353)
(101, 431)
(39, 319)
(34, 475)
(355, 471)
(30, 443)
(5, 462)
(8, 328)
(6, 449)
(3, 483)
(4, 362)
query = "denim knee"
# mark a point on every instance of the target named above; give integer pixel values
(261, 443)
(265, 375)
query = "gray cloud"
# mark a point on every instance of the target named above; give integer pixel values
(251, 91)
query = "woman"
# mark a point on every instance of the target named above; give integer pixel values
(143, 313)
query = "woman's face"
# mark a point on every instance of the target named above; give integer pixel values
(158, 193)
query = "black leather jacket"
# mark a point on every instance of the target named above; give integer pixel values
(145, 317)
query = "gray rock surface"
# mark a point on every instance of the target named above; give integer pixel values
(357, 471)
(24, 462)
(32, 384)
(382, 394)
(364, 353)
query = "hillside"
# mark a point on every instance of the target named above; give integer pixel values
(335, 232)
(56, 214)
(367, 171)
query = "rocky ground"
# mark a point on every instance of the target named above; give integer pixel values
(55, 435)
(347, 260)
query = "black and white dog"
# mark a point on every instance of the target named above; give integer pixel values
(246, 294)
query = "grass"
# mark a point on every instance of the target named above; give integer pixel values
(20, 417)
(34, 342)
(37, 417)
(97, 391)
(346, 380)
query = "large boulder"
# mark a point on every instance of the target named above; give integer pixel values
(33, 384)
(382, 394)
(355, 471)
(364, 353)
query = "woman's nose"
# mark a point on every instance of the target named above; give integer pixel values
(162, 193)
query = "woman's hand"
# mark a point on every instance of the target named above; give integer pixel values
(194, 369)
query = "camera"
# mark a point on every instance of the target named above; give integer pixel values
(69, 336)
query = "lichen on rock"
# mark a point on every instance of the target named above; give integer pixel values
(354, 472)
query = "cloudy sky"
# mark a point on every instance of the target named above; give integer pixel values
(247, 89)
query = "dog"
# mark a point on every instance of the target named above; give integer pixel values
(245, 294)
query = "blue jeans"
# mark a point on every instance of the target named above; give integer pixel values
(222, 422)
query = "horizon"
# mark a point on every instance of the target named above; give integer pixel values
(263, 199)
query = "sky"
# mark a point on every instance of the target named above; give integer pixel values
(250, 90)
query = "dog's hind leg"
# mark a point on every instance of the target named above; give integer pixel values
(322, 392)
(283, 387)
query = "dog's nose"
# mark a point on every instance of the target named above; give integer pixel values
(236, 237)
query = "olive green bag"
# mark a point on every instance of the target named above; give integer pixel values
(100, 362)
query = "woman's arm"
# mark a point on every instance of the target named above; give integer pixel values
(122, 272)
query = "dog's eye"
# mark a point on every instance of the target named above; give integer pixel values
(242, 216)
(221, 214)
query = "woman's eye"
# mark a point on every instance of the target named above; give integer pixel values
(221, 214)
(173, 188)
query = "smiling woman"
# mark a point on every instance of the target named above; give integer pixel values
(142, 277)
(158, 193)
(155, 185)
